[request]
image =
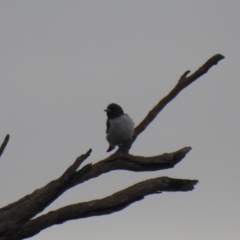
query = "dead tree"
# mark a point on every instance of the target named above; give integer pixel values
(16, 219)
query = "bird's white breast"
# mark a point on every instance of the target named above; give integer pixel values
(121, 129)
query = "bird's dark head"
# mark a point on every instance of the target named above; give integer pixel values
(113, 111)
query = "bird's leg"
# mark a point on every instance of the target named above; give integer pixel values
(124, 147)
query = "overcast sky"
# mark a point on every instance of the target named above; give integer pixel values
(63, 62)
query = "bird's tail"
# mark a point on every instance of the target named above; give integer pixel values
(110, 148)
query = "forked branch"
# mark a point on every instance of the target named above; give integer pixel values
(133, 163)
(17, 214)
(16, 219)
(36, 202)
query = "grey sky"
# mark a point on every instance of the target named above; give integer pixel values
(63, 62)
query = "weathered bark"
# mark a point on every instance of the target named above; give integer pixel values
(108, 205)
(16, 219)
(15, 215)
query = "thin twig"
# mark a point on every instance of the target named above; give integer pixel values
(4, 144)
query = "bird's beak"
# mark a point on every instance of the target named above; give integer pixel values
(107, 110)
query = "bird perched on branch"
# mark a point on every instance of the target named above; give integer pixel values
(120, 127)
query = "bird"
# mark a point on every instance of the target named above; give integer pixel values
(120, 127)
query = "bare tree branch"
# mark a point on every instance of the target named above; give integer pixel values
(4, 144)
(133, 163)
(15, 215)
(108, 205)
(183, 82)
(16, 219)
